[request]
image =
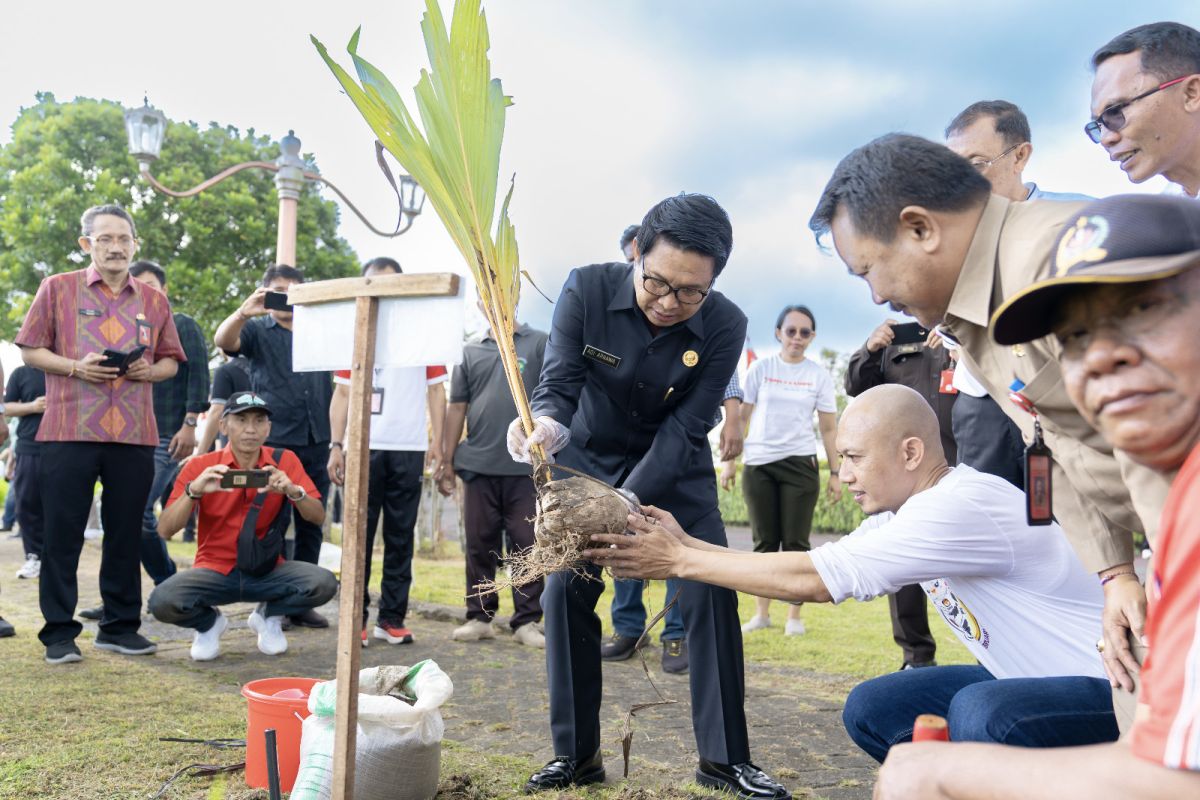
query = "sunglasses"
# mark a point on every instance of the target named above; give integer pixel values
(803, 333)
(1113, 117)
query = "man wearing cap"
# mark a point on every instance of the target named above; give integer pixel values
(231, 566)
(1146, 102)
(1123, 303)
(921, 226)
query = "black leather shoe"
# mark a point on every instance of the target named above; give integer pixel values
(916, 665)
(618, 648)
(675, 656)
(94, 614)
(744, 780)
(563, 772)
(309, 619)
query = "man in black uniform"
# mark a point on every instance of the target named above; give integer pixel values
(925, 369)
(636, 366)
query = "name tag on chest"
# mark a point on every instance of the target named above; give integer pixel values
(596, 354)
(377, 400)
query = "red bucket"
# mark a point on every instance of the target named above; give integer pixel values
(274, 703)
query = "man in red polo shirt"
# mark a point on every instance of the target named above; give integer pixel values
(102, 339)
(228, 569)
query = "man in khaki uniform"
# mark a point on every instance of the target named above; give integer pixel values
(921, 226)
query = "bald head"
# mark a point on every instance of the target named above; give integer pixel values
(891, 446)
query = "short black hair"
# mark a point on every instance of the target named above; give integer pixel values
(139, 267)
(691, 222)
(789, 309)
(876, 181)
(285, 271)
(1011, 123)
(1169, 49)
(382, 262)
(88, 220)
(628, 235)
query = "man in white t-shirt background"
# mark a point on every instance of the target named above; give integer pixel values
(1016, 595)
(402, 435)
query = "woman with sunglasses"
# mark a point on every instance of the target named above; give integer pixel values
(781, 479)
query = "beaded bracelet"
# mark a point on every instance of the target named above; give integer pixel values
(1104, 581)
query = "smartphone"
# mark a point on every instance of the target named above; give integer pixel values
(121, 360)
(909, 333)
(245, 479)
(276, 301)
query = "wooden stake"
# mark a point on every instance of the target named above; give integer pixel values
(358, 443)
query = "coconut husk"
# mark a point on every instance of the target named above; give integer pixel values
(569, 511)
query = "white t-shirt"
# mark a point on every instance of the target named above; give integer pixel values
(399, 410)
(784, 397)
(1016, 595)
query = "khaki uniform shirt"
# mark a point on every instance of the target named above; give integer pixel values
(1012, 248)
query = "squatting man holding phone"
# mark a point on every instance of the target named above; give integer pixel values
(239, 538)
(1015, 594)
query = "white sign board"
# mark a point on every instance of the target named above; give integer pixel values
(412, 332)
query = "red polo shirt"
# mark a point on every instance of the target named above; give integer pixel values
(222, 513)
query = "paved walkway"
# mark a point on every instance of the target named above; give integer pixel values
(501, 703)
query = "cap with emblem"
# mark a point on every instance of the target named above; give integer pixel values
(1127, 238)
(246, 401)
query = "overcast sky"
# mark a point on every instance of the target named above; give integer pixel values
(617, 105)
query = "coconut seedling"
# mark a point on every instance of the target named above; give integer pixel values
(454, 154)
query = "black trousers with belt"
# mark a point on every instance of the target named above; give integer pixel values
(125, 472)
(393, 492)
(492, 505)
(716, 670)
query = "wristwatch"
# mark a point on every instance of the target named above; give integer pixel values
(187, 489)
(191, 422)
(303, 494)
(335, 444)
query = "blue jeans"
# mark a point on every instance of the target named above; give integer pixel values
(629, 614)
(1025, 712)
(157, 563)
(188, 599)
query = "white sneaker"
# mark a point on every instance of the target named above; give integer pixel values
(93, 533)
(474, 630)
(31, 568)
(756, 623)
(794, 627)
(206, 645)
(271, 640)
(530, 636)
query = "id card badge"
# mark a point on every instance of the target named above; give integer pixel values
(377, 400)
(1039, 509)
(946, 386)
(145, 333)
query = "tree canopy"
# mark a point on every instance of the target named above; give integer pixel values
(65, 157)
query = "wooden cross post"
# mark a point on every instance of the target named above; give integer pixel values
(366, 292)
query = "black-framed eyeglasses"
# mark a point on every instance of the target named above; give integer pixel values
(688, 295)
(985, 164)
(1113, 117)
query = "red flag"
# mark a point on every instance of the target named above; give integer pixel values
(751, 357)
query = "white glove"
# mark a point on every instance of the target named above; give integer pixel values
(547, 431)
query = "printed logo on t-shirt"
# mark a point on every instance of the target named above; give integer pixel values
(791, 385)
(956, 612)
(521, 365)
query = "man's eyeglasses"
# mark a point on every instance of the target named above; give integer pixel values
(983, 164)
(107, 242)
(1113, 117)
(803, 333)
(688, 295)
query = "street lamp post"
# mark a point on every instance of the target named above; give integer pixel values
(146, 128)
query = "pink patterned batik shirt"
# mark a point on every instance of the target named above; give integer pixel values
(75, 313)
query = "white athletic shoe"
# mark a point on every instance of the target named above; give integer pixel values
(206, 645)
(271, 640)
(530, 636)
(756, 623)
(794, 627)
(474, 630)
(31, 568)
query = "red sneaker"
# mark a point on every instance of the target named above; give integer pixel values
(365, 640)
(393, 634)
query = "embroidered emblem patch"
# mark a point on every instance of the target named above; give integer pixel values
(1082, 244)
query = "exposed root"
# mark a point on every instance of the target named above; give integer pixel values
(569, 511)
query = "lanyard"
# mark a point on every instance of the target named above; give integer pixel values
(1039, 462)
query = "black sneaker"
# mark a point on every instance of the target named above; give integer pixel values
(128, 644)
(675, 656)
(618, 648)
(63, 653)
(308, 619)
(6, 629)
(94, 614)
(916, 665)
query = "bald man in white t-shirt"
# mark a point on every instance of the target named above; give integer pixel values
(1016, 595)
